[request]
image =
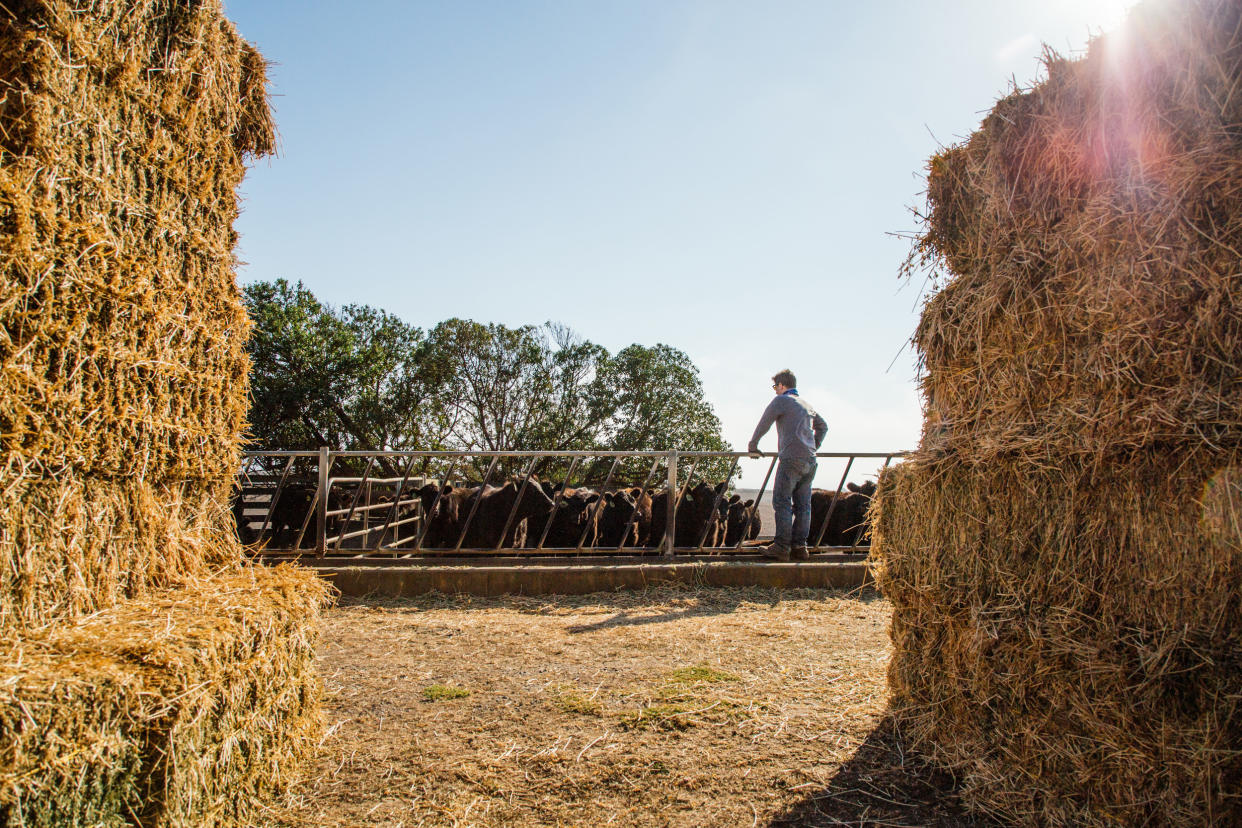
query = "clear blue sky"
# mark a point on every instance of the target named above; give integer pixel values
(720, 176)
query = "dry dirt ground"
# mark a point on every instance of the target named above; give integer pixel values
(707, 707)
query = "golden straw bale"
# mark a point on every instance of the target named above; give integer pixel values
(1069, 641)
(1088, 238)
(1064, 551)
(72, 547)
(123, 130)
(187, 708)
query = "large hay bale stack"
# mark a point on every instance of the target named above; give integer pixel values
(123, 130)
(147, 676)
(1064, 551)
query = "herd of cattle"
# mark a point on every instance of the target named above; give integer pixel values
(540, 515)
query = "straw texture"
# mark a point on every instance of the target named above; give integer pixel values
(1089, 235)
(1063, 551)
(147, 677)
(75, 546)
(188, 708)
(123, 131)
(122, 135)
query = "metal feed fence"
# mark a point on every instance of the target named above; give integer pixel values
(329, 503)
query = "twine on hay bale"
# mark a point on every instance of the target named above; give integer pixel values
(191, 707)
(1064, 550)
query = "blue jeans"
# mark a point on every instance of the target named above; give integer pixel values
(791, 500)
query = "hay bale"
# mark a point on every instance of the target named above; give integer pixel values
(123, 377)
(123, 130)
(75, 546)
(191, 707)
(1089, 234)
(1071, 644)
(1064, 550)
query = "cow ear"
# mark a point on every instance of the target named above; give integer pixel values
(594, 497)
(852, 487)
(736, 499)
(608, 497)
(720, 487)
(749, 503)
(448, 488)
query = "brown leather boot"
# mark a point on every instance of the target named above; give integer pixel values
(776, 551)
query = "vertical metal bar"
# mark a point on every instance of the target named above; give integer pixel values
(353, 504)
(832, 506)
(758, 499)
(715, 506)
(271, 507)
(556, 502)
(435, 504)
(396, 500)
(655, 464)
(321, 513)
(599, 504)
(670, 516)
(517, 501)
(474, 507)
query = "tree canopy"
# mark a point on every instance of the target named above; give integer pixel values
(359, 378)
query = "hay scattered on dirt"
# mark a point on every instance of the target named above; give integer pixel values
(1063, 552)
(191, 707)
(672, 707)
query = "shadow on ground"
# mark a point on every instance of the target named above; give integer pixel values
(884, 784)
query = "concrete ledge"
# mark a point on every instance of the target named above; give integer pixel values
(404, 579)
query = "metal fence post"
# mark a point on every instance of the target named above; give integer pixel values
(321, 505)
(670, 513)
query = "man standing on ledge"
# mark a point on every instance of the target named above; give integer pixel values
(799, 434)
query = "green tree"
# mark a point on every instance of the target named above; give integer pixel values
(359, 378)
(659, 405)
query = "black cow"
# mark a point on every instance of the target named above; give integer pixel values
(694, 513)
(847, 525)
(494, 506)
(742, 521)
(625, 517)
(442, 515)
(576, 516)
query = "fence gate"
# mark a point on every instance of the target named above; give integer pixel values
(530, 503)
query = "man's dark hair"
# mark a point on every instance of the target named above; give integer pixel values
(785, 378)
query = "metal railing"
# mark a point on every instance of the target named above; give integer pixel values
(364, 503)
